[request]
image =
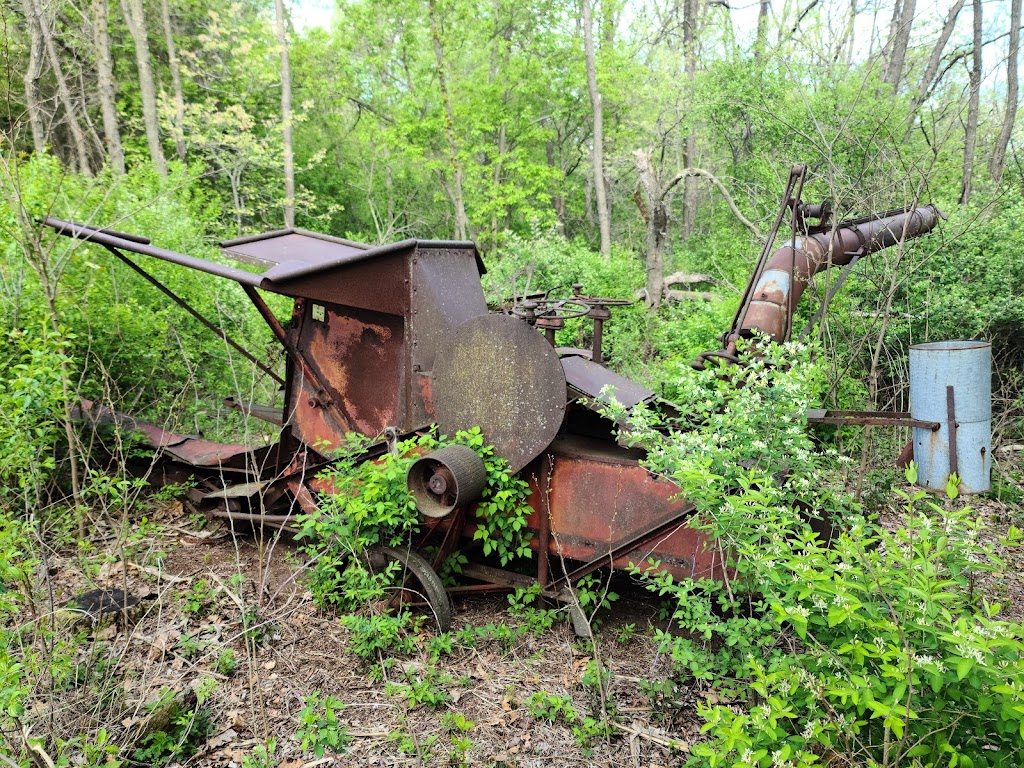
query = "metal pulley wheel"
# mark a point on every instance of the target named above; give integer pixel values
(445, 479)
(497, 373)
(419, 583)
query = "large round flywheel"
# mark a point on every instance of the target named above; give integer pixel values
(498, 373)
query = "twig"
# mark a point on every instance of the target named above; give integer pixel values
(643, 733)
(156, 572)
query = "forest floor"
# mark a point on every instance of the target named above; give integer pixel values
(227, 614)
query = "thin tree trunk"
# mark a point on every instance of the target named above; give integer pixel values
(935, 59)
(461, 220)
(761, 41)
(32, 76)
(656, 216)
(851, 27)
(175, 67)
(105, 85)
(286, 118)
(136, 19)
(603, 216)
(557, 201)
(35, 11)
(690, 10)
(1003, 140)
(973, 107)
(899, 39)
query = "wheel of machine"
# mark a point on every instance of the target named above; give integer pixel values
(445, 479)
(562, 309)
(419, 581)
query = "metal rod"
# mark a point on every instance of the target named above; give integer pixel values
(845, 273)
(101, 237)
(791, 304)
(197, 315)
(265, 312)
(951, 415)
(544, 531)
(624, 547)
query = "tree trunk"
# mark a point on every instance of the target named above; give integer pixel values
(690, 10)
(34, 11)
(286, 118)
(33, 74)
(935, 59)
(175, 67)
(899, 39)
(1003, 140)
(761, 41)
(461, 220)
(657, 229)
(136, 20)
(557, 201)
(971, 138)
(105, 86)
(603, 215)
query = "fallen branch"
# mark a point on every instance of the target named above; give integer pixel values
(688, 278)
(636, 730)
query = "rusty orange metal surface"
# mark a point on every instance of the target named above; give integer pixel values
(600, 497)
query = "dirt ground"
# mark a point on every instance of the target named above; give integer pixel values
(169, 645)
(206, 588)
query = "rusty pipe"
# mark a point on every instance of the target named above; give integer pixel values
(769, 310)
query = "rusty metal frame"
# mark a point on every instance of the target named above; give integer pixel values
(869, 418)
(796, 172)
(209, 324)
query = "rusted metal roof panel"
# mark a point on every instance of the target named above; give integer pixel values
(294, 253)
(590, 379)
(287, 251)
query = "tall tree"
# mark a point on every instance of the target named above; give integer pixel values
(42, 20)
(899, 39)
(286, 117)
(656, 196)
(456, 190)
(33, 74)
(931, 69)
(175, 66)
(597, 154)
(105, 86)
(134, 15)
(690, 10)
(1010, 116)
(973, 108)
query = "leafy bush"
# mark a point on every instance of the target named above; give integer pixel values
(31, 412)
(875, 647)
(369, 504)
(319, 729)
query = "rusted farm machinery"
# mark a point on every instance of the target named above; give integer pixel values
(386, 341)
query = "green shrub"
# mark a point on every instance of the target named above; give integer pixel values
(875, 648)
(369, 504)
(319, 729)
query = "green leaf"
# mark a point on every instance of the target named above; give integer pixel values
(963, 667)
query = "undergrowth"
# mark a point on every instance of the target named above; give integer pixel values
(872, 647)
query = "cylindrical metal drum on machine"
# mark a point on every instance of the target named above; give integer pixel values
(951, 383)
(449, 477)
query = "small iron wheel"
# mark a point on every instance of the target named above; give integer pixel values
(419, 583)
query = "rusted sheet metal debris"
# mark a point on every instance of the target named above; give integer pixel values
(385, 341)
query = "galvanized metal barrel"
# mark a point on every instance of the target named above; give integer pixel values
(952, 381)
